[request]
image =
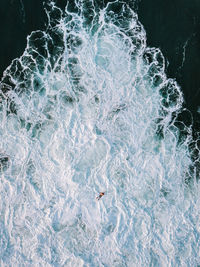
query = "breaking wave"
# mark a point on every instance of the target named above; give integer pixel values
(88, 108)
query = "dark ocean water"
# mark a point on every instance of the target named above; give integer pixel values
(173, 26)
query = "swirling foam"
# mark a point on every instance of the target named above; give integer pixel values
(88, 108)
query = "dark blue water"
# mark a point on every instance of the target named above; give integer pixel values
(174, 26)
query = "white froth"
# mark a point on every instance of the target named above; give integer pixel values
(86, 124)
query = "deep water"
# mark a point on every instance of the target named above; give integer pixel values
(91, 105)
(173, 26)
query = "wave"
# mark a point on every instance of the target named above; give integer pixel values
(88, 108)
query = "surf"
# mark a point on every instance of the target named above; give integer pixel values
(88, 108)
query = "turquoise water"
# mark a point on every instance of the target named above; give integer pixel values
(88, 108)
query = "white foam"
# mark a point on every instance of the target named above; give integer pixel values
(91, 125)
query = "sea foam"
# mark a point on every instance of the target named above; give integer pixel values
(88, 108)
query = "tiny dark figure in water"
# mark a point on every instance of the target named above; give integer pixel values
(100, 195)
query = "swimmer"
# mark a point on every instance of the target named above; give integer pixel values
(100, 195)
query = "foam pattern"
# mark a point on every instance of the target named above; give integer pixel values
(88, 108)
